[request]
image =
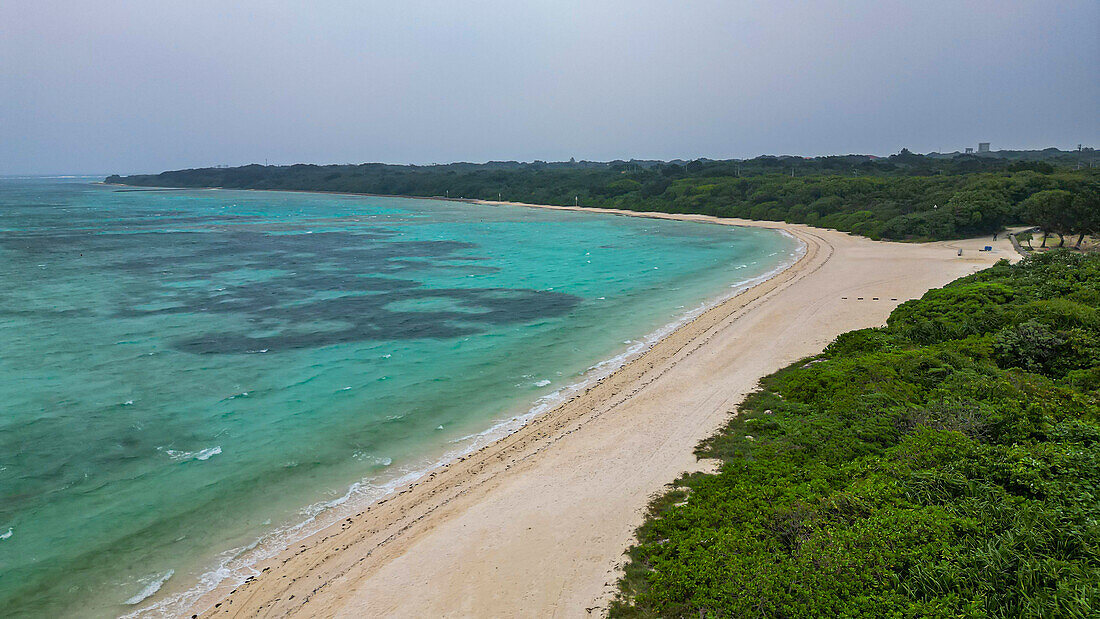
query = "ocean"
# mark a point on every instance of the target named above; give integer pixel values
(191, 379)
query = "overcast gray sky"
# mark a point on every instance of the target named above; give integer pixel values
(148, 85)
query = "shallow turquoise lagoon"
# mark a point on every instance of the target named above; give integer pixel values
(188, 379)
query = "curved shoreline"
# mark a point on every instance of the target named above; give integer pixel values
(232, 566)
(406, 483)
(328, 572)
(230, 572)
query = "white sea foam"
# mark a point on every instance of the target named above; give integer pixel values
(542, 383)
(202, 454)
(365, 457)
(152, 585)
(234, 566)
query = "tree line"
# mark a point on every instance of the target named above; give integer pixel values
(1062, 212)
(902, 197)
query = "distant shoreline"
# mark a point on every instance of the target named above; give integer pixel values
(725, 221)
(306, 191)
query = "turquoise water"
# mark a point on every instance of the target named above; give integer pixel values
(184, 373)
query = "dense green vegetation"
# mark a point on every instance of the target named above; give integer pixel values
(946, 465)
(1063, 212)
(905, 196)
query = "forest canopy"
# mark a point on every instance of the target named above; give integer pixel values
(902, 197)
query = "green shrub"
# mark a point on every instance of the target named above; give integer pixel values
(947, 465)
(1030, 345)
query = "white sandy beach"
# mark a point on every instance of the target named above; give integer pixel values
(535, 525)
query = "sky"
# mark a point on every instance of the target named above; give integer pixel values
(145, 86)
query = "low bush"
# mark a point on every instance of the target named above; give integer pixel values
(946, 465)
